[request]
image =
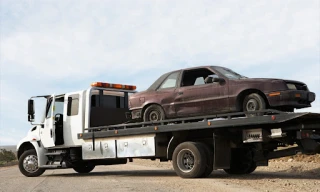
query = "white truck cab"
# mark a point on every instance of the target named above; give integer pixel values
(65, 116)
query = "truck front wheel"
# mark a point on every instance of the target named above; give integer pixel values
(83, 167)
(28, 164)
(189, 160)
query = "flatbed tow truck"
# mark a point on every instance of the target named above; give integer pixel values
(83, 129)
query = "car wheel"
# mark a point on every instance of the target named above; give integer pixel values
(153, 113)
(254, 102)
(28, 164)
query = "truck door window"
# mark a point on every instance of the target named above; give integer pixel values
(73, 107)
(59, 104)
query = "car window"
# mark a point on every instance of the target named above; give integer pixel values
(171, 81)
(195, 77)
(199, 81)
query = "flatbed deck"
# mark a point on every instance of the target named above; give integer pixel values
(272, 119)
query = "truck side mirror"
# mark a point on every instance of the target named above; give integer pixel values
(30, 110)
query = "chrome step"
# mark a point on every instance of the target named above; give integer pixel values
(53, 154)
(51, 166)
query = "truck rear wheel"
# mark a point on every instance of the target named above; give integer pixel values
(189, 160)
(209, 156)
(241, 162)
(83, 167)
(28, 164)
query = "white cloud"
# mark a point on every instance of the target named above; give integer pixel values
(52, 47)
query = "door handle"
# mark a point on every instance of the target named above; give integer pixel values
(51, 133)
(180, 93)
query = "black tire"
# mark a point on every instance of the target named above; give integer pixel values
(189, 160)
(83, 167)
(153, 113)
(254, 102)
(241, 162)
(28, 164)
(209, 156)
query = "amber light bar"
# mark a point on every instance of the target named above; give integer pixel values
(112, 85)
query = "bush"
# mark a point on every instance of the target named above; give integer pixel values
(7, 156)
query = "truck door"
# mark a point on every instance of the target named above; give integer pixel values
(47, 132)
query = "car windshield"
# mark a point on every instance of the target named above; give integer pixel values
(228, 73)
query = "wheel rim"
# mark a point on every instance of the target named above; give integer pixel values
(252, 105)
(185, 160)
(154, 116)
(30, 163)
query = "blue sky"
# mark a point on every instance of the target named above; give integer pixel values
(62, 46)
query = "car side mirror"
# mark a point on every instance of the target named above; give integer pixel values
(217, 79)
(213, 79)
(30, 110)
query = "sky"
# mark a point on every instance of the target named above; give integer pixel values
(53, 47)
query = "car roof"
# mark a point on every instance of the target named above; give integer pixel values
(157, 82)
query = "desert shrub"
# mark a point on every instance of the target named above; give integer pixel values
(7, 156)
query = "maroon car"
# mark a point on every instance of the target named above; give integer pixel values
(211, 90)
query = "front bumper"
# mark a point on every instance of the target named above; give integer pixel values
(291, 98)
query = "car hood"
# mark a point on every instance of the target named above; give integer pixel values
(267, 80)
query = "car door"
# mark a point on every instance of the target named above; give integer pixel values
(47, 132)
(216, 99)
(166, 93)
(188, 101)
(198, 97)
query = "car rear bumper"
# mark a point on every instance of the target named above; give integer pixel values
(136, 113)
(291, 98)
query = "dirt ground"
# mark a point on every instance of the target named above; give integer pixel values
(296, 173)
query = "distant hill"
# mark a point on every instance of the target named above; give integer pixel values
(9, 148)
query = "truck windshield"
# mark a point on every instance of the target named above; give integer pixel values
(228, 73)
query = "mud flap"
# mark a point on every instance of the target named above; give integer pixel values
(222, 152)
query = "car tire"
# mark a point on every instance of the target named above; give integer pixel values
(254, 102)
(83, 167)
(189, 160)
(28, 164)
(153, 113)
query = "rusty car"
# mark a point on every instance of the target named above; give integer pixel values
(207, 90)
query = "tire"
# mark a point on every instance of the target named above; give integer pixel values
(241, 162)
(189, 160)
(83, 167)
(153, 113)
(254, 102)
(28, 164)
(209, 156)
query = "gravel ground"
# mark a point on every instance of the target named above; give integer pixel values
(281, 175)
(296, 173)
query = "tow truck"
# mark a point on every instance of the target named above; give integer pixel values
(84, 129)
